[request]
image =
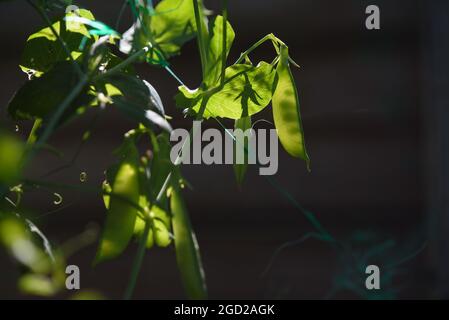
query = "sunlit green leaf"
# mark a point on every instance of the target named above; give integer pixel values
(215, 50)
(172, 25)
(43, 50)
(246, 91)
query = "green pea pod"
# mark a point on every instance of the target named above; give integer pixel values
(139, 226)
(160, 229)
(121, 217)
(161, 234)
(187, 251)
(286, 114)
(240, 169)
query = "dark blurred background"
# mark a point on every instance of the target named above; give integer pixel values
(375, 110)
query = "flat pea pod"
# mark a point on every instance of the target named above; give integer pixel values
(121, 216)
(286, 114)
(187, 250)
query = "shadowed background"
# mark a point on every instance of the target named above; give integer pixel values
(368, 106)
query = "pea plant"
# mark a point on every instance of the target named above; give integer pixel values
(77, 63)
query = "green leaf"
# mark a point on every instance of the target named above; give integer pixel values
(137, 99)
(121, 215)
(215, 58)
(286, 114)
(246, 91)
(172, 25)
(135, 90)
(40, 96)
(240, 169)
(187, 250)
(148, 118)
(43, 49)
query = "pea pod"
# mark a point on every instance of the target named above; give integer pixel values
(160, 228)
(240, 169)
(286, 112)
(187, 251)
(121, 217)
(139, 226)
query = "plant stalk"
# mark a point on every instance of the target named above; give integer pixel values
(202, 34)
(137, 264)
(32, 137)
(225, 31)
(270, 36)
(123, 64)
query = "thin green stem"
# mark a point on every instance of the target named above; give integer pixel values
(137, 264)
(123, 64)
(225, 31)
(308, 215)
(45, 17)
(202, 34)
(268, 37)
(32, 137)
(120, 15)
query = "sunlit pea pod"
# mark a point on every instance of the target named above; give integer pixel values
(159, 233)
(286, 111)
(121, 216)
(187, 251)
(240, 169)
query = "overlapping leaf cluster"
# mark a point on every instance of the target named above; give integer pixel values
(76, 63)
